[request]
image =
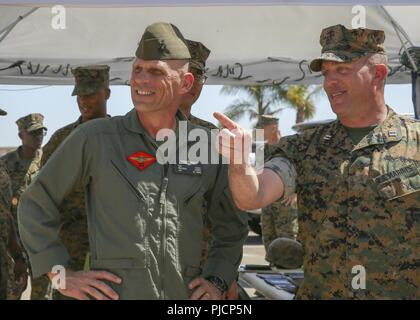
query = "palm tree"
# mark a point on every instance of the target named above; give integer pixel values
(301, 98)
(271, 100)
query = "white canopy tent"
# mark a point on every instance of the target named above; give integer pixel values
(269, 42)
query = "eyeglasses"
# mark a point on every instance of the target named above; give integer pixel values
(38, 132)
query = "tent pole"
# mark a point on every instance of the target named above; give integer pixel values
(416, 94)
(10, 27)
(398, 29)
(415, 80)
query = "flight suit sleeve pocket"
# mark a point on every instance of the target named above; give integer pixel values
(399, 187)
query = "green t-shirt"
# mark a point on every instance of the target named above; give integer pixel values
(357, 134)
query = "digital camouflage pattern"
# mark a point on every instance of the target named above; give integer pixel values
(206, 221)
(88, 79)
(199, 54)
(5, 229)
(340, 44)
(8, 288)
(358, 205)
(73, 230)
(201, 122)
(31, 122)
(278, 220)
(21, 171)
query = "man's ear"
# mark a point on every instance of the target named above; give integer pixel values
(107, 93)
(381, 72)
(187, 83)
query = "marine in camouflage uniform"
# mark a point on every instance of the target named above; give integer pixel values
(199, 54)
(24, 163)
(9, 289)
(90, 80)
(5, 196)
(22, 169)
(279, 219)
(358, 198)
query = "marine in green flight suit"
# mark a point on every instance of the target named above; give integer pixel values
(144, 217)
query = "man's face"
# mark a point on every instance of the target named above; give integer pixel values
(272, 132)
(33, 139)
(348, 86)
(156, 85)
(188, 99)
(93, 106)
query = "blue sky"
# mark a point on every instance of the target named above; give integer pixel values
(60, 108)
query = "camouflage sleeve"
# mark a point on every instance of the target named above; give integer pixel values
(286, 157)
(286, 171)
(5, 204)
(5, 229)
(52, 145)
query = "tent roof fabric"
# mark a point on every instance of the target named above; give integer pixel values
(250, 44)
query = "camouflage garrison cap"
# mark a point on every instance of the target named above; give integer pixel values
(266, 120)
(88, 79)
(2, 112)
(340, 44)
(199, 54)
(31, 122)
(285, 253)
(162, 41)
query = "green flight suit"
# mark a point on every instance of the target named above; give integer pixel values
(144, 225)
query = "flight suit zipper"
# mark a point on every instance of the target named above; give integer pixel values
(162, 201)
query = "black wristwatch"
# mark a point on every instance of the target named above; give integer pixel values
(219, 283)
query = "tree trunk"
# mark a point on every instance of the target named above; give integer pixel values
(299, 115)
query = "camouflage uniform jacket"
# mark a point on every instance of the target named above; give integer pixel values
(201, 122)
(206, 221)
(359, 205)
(21, 172)
(5, 196)
(7, 275)
(73, 230)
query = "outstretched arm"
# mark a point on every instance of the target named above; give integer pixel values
(249, 190)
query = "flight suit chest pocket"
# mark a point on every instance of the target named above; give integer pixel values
(132, 185)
